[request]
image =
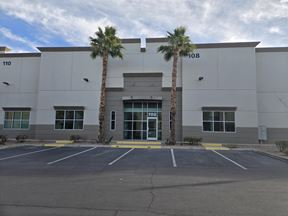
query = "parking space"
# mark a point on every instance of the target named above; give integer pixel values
(200, 158)
(126, 181)
(8, 152)
(100, 158)
(145, 159)
(254, 160)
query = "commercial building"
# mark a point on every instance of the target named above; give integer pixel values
(226, 92)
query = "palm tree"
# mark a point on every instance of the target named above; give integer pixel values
(105, 44)
(178, 45)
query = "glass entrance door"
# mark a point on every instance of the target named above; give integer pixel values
(152, 128)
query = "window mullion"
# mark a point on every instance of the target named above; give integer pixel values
(74, 119)
(213, 121)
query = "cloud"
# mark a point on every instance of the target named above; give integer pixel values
(9, 35)
(206, 21)
(54, 20)
(266, 10)
(275, 30)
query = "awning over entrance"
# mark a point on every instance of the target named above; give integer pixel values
(125, 98)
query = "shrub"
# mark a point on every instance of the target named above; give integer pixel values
(109, 140)
(193, 140)
(3, 139)
(230, 145)
(282, 145)
(75, 138)
(21, 138)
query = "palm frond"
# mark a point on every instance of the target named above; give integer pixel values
(178, 43)
(106, 42)
(167, 51)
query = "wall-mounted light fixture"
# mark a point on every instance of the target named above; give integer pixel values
(86, 79)
(6, 83)
(200, 78)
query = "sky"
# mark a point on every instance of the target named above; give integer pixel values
(27, 24)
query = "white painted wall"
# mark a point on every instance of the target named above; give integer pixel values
(135, 61)
(61, 78)
(272, 88)
(61, 84)
(229, 80)
(56, 79)
(22, 74)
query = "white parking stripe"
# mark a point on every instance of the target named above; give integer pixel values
(117, 159)
(173, 158)
(237, 164)
(20, 155)
(61, 159)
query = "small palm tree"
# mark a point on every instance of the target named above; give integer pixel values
(105, 44)
(178, 45)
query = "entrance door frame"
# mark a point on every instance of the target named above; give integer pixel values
(156, 126)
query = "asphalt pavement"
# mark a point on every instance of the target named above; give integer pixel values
(36, 180)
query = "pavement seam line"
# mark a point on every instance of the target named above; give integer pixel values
(173, 158)
(73, 155)
(117, 159)
(273, 156)
(24, 154)
(237, 164)
(153, 195)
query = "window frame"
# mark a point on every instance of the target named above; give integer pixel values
(20, 119)
(112, 120)
(130, 108)
(223, 121)
(64, 120)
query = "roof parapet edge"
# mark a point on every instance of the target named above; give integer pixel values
(83, 48)
(227, 45)
(157, 40)
(9, 55)
(271, 49)
(209, 45)
(4, 49)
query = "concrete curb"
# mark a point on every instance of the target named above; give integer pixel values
(44, 144)
(271, 155)
(162, 147)
(10, 146)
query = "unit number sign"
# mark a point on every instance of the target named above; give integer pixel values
(6, 63)
(152, 114)
(194, 55)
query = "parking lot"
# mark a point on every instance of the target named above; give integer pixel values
(38, 180)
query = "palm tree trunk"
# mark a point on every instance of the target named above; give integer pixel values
(101, 136)
(172, 139)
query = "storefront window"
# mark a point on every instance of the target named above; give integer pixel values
(69, 119)
(218, 121)
(16, 120)
(135, 119)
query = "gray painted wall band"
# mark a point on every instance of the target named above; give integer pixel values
(114, 89)
(69, 107)
(219, 108)
(142, 75)
(142, 87)
(16, 108)
(242, 135)
(208, 45)
(153, 98)
(272, 49)
(10, 55)
(169, 88)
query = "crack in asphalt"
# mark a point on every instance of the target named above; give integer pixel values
(199, 184)
(153, 195)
